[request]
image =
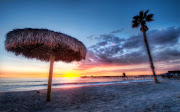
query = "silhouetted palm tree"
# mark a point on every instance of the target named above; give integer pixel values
(141, 19)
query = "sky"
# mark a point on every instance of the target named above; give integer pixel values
(104, 26)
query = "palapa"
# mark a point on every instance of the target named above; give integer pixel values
(45, 45)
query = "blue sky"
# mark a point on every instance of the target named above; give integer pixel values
(81, 19)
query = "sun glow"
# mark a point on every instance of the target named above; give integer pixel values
(71, 74)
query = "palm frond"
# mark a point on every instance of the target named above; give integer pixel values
(136, 17)
(135, 21)
(143, 22)
(141, 19)
(135, 25)
(150, 16)
(141, 13)
(149, 20)
(145, 14)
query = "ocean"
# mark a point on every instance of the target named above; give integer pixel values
(27, 84)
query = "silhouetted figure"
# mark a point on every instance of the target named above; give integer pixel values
(124, 75)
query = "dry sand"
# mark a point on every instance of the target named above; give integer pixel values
(132, 97)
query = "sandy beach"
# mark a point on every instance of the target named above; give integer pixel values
(131, 97)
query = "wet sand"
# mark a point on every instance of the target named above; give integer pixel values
(132, 97)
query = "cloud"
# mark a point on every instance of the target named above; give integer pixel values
(114, 50)
(167, 36)
(117, 31)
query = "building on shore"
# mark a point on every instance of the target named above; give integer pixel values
(172, 74)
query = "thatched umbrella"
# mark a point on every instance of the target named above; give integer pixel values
(45, 45)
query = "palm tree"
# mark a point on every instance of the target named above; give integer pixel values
(141, 19)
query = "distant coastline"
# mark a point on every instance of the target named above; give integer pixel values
(131, 76)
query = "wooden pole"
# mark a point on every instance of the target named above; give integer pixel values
(52, 58)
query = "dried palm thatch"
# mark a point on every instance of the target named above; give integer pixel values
(40, 43)
(45, 45)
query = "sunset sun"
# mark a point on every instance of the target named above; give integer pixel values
(71, 74)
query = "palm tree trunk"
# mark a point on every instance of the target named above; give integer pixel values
(52, 58)
(149, 55)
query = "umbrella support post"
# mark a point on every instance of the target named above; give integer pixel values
(52, 58)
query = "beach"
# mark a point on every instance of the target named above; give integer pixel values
(124, 97)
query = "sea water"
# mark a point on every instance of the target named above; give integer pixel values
(26, 84)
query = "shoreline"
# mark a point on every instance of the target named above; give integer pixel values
(140, 96)
(88, 85)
